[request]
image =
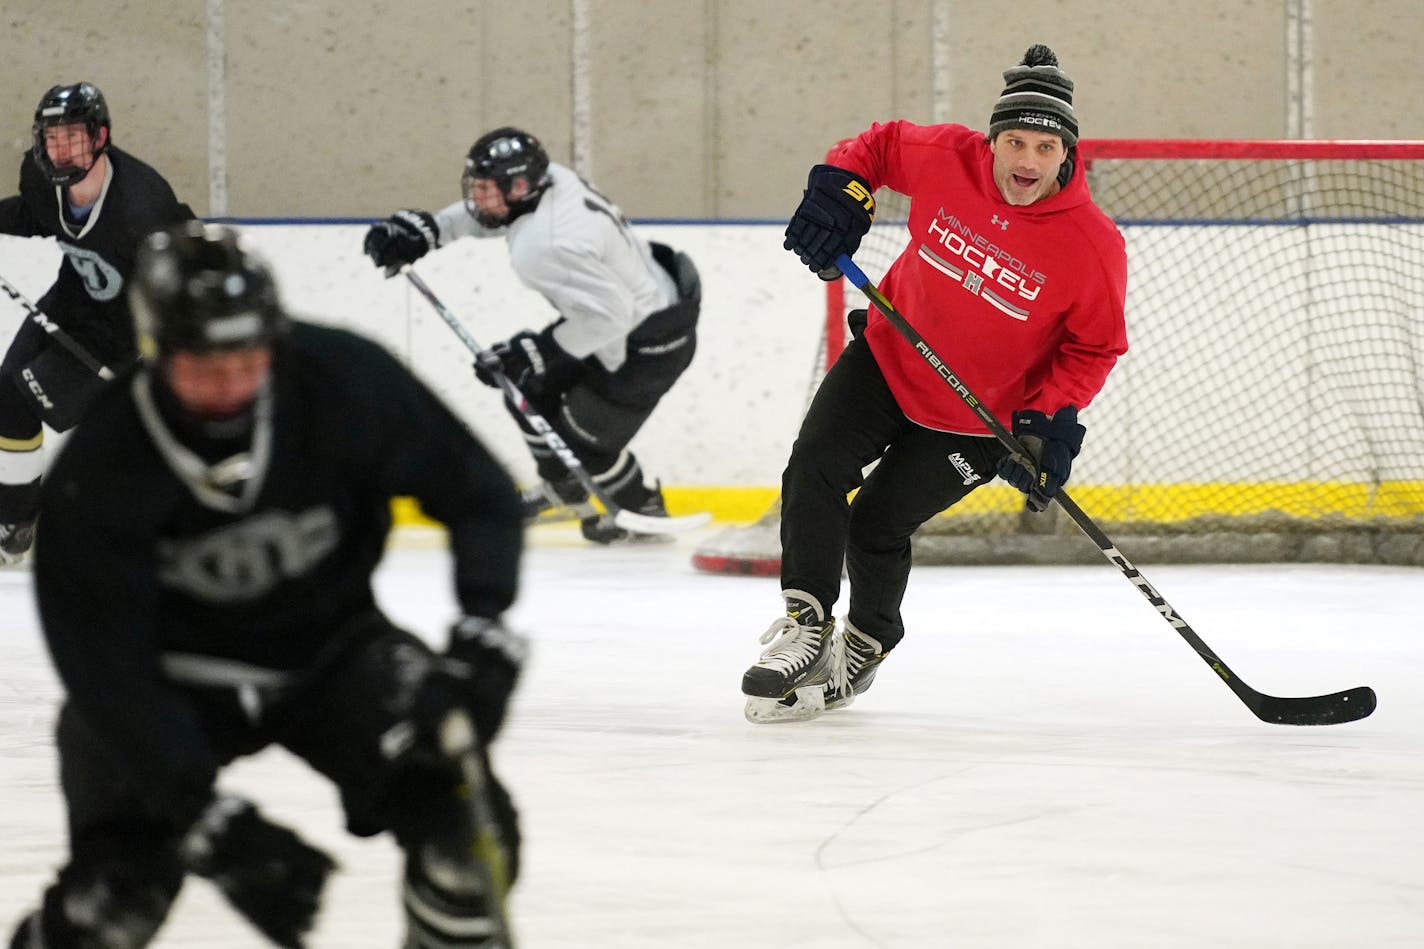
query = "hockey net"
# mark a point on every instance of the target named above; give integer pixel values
(1271, 405)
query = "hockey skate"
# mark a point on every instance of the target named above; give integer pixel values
(863, 655)
(15, 542)
(638, 498)
(803, 654)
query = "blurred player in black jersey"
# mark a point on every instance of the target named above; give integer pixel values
(204, 585)
(97, 201)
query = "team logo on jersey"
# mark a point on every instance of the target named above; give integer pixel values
(965, 469)
(983, 268)
(248, 559)
(101, 280)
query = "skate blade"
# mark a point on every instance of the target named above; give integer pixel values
(810, 703)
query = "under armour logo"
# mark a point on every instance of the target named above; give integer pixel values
(1003, 222)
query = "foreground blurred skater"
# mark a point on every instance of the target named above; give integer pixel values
(627, 316)
(1015, 275)
(97, 201)
(204, 585)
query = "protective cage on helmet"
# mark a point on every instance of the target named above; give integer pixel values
(502, 156)
(79, 104)
(196, 289)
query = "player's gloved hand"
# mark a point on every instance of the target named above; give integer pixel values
(532, 361)
(269, 874)
(1052, 444)
(477, 673)
(835, 212)
(402, 238)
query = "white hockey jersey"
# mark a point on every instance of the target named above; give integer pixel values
(577, 250)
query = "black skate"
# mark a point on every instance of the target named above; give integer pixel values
(803, 653)
(638, 498)
(15, 542)
(863, 655)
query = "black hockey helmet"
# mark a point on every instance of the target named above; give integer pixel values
(502, 156)
(195, 288)
(79, 104)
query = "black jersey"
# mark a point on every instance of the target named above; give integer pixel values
(88, 298)
(141, 578)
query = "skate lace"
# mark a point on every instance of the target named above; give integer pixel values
(791, 644)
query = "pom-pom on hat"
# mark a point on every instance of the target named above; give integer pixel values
(1038, 96)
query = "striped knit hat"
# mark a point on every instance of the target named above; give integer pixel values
(1038, 96)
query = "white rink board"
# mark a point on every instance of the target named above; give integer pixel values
(1202, 407)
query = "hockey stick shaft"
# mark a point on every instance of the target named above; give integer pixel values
(1337, 707)
(626, 519)
(40, 319)
(461, 744)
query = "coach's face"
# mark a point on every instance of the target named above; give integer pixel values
(1026, 164)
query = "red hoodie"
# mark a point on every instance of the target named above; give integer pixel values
(1025, 304)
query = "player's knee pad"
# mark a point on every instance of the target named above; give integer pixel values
(106, 902)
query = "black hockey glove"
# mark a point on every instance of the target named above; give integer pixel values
(1052, 445)
(477, 673)
(402, 238)
(269, 874)
(835, 212)
(532, 361)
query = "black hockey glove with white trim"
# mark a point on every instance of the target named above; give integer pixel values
(477, 672)
(835, 212)
(1052, 444)
(532, 361)
(403, 238)
(269, 874)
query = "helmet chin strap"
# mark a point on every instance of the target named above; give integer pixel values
(229, 484)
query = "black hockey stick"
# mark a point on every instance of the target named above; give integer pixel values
(38, 317)
(1347, 706)
(620, 516)
(461, 744)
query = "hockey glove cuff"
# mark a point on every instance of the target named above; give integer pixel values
(269, 874)
(403, 238)
(835, 212)
(1051, 444)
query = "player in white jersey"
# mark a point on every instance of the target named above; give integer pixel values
(627, 314)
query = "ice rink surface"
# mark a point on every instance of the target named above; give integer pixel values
(1042, 763)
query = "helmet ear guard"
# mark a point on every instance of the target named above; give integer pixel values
(79, 104)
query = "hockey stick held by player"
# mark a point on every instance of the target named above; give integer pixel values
(623, 333)
(491, 365)
(1332, 709)
(204, 586)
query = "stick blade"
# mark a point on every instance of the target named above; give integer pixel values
(651, 524)
(1335, 709)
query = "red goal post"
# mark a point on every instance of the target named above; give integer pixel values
(1271, 404)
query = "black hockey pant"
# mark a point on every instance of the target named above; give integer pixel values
(334, 720)
(854, 421)
(41, 383)
(598, 412)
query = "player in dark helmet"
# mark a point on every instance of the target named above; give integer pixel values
(81, 106)
(204, 585)
(625, 323)
(96, 201)
(514, 164)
